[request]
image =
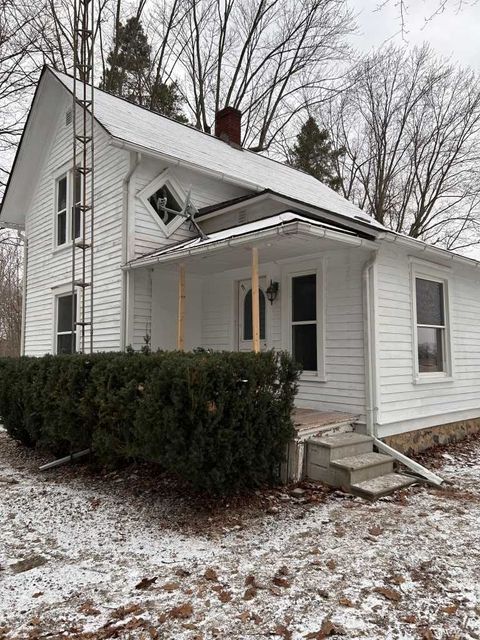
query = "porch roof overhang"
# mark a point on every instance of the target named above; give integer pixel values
(280, 237)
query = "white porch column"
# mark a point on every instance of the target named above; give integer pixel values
(255, 302)
(181, 309)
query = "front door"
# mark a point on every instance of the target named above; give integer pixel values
(245, 326)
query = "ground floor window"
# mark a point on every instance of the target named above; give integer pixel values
(431, 325)
(65, 337)
(304, 321)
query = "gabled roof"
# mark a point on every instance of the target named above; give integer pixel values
(139, 129)
(144, 129)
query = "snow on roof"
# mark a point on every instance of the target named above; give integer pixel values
(232, 232)
(151, 131)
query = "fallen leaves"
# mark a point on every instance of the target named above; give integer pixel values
(375, 531)
(146, 583)
(389, 594)
(331, 564)
(210, 574)
(32, 562)
(327, 629)
(88, 609)
(182, 612)
(283, 631)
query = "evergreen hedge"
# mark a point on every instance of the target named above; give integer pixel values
(220, 421)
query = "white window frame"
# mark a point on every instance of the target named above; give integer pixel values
(59, 212)
(67, 173)
(319, 271)
(434, 273)
(164, 179)
(62, 292)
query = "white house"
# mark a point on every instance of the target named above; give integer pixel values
(387, 328)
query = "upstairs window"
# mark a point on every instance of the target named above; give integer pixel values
(162, 198)
(62, 210)
(68, 203)
(163, 203)
(431, 326)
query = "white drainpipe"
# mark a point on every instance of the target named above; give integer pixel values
(370, 350)
(125, 217)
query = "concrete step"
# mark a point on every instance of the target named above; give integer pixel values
(359, 468)
(382, 485)
(332, 446)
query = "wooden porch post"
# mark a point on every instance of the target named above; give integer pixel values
(255, 302)
(181, 309)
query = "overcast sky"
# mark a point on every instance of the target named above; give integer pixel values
(454, 33)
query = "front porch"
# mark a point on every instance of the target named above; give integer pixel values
(200, 294)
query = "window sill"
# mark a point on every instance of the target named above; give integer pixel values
(432, 378)
(312, 377)
(64, 247)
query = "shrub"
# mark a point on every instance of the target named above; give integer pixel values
(220, 421)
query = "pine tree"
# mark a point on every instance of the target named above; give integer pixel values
(313, 153)
(130, 73)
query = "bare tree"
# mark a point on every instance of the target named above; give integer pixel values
(269, 58)
(410, 127)
(10, 293)
(17, 78)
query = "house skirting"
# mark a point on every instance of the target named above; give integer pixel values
(412, 442)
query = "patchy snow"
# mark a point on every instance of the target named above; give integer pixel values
(74, 546)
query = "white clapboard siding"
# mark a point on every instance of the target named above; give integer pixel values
(49, 268)
(403, 404)
(142, 308)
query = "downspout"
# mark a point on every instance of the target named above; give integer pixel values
(371, 377)
(125, 234)
(370, 349)
(24, 295)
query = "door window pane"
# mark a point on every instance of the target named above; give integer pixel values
(248, 315)
(430, 349)
(304, 298)
(429, 302)
(304, 346)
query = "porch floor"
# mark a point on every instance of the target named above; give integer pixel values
(309, 422)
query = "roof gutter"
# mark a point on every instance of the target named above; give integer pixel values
(421, 245)
(284, 229)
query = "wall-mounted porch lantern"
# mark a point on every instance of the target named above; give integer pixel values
(272, 291)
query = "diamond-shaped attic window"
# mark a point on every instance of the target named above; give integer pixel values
(163, 203)
(162, 198)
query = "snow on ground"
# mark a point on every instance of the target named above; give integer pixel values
(129, 555)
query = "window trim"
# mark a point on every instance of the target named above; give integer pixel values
(165, 178)
(433, 273)
(303, 270)
(66, 171)
(62, 292)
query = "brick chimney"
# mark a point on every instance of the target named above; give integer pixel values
(228, 125)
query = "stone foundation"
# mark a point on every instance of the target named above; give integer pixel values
(417, 441)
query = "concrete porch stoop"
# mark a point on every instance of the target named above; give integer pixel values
(347, 460)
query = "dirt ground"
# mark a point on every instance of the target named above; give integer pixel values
(130, 555)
